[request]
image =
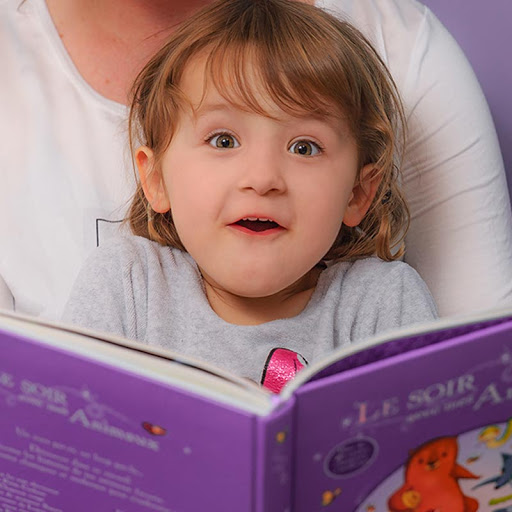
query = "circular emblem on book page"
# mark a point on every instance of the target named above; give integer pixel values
(350, 457)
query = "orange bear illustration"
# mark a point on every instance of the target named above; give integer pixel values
(432, 480)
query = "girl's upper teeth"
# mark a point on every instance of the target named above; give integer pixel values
(256, 218)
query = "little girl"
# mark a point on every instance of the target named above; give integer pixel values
(268, 215)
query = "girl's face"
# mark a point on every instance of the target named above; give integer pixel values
(257, 202)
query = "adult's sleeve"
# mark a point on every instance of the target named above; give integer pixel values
(6, 297)
(460, 238)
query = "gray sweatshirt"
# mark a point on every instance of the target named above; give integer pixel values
(138, 289)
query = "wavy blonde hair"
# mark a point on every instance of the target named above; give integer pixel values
(307, 60)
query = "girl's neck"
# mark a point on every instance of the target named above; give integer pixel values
(254, 311)
(109, 42)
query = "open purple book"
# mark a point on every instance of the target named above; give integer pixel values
(420, 421)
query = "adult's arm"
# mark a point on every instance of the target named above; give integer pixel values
(6, 298)
(460, 239)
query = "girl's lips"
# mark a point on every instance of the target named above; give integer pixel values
(262, 232)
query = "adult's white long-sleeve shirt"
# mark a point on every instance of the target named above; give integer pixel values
(67, 175)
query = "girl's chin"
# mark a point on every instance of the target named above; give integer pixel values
(252, 283)
(255, 293)
(255, 288)
(249, 288)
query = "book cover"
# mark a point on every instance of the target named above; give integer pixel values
(79, 435)
(422, 431)
(108, 424)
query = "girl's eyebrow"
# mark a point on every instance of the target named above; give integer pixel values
(335, 122)
(207, 108)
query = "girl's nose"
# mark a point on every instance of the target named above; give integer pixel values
(263, 173)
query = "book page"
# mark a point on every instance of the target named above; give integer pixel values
(375, 348)
(155, 363)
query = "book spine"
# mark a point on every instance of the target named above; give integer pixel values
(274, 442)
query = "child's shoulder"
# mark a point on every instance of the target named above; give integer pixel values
(373, 269)
(127, 246)
(379, 278)
(388, 293)
(379, 267)
(126, 251)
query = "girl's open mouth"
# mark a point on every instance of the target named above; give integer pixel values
(256, 225)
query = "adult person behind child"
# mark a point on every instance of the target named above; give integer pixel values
(67, 70)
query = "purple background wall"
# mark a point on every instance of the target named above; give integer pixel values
(483, 28)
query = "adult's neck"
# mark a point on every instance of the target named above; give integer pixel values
(110, 41)
(130, 19)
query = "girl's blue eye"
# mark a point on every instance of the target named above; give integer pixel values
(305, 148)
(223, 141)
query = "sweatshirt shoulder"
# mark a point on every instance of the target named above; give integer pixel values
(129, 248)
(391, 283)
(375, 277)
(374, 269)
